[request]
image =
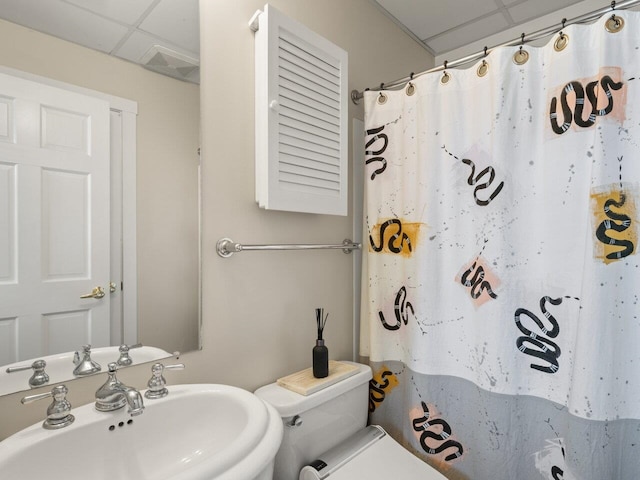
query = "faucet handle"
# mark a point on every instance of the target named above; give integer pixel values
(39, 376)
(59, 411)
(157, 383)
(125, 360)
(85, 366)
(76, 356)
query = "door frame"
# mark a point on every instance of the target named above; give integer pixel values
(124, 317)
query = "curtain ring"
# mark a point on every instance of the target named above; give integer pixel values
(561, 42)
(521, 56)
(445, 76)
(410, 90)
(382, 98)
(484, 66)
(614, 24)
(563, 39)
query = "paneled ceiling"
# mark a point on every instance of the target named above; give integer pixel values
(129, 29)
(444, 25)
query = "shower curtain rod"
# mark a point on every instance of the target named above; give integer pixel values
(227, 247)
(357, 95)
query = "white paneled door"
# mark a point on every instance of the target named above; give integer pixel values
(54, 219)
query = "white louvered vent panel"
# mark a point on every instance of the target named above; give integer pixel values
(301, 118)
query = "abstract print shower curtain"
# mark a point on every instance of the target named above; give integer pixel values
(500, 308)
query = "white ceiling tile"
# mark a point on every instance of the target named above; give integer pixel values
(426, 18)
(467, 34)
(173, 20)
(126, 11)
(536, 8)
(512, 33)
(64, 21)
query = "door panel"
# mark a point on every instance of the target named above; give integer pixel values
(7, 223)
(65, 225)
(54, 219)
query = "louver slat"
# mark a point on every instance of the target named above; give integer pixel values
(313, 119)
(301, 152)
(301, 118)
(313, 142)
(291, 67)
(298, 96)
(325, 62)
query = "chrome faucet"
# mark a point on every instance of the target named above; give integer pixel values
(125, 360)
(59, 412)
(39, 376)
(84, 365)
(157, 383)
(114, 395)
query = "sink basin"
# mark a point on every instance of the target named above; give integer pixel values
(201, 431)
(60, 366)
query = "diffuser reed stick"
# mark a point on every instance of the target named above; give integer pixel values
(320, 351)
(321, 321)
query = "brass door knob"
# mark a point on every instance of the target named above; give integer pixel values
(97, 292)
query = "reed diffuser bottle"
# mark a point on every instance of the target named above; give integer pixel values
(320, 351)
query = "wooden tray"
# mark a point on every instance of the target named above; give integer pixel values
(305, 383)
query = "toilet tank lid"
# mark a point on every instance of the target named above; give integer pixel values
(289, 403)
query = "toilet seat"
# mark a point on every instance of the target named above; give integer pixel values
(371, 454)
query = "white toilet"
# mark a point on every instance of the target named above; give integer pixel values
(325, 436)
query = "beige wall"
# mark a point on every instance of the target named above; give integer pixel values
(258, 307)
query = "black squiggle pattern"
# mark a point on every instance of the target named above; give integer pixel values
(477, 280)
(401, 308)
(620, 223)
(422, 425)
(545, 349)
(557, 473)
(377, 135)
(474, 180)
(377, 390)
(576, 116)
(391, 244)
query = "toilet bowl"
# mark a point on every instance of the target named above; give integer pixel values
(326, 435)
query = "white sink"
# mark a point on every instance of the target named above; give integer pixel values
(60, 366)
(202, 431)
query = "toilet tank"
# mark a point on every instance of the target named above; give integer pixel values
(315, 423)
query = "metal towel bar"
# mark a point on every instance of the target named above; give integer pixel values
(227, 247)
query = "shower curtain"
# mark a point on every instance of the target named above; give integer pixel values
(500, 306)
